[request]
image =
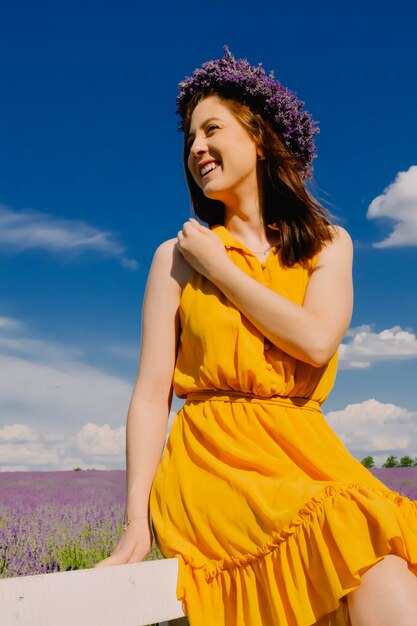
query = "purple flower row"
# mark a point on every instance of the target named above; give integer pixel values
(57, 521)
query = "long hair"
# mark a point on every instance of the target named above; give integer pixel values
(303, 224)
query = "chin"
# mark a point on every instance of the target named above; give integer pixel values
(213, 194)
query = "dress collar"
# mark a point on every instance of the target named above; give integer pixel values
(231, 242)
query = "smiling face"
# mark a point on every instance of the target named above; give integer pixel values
(223, 156)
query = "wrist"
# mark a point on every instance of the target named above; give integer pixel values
(137, 518)
(219, 269)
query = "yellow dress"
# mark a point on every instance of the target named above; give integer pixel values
(272, 520)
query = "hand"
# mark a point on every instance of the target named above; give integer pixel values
(201, 248)
(133, 545)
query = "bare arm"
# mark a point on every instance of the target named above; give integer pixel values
(311, 332)
(151, 398)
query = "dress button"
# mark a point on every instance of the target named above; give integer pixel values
(274, 388)
(268, 366)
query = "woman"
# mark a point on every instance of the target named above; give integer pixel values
(272, 520)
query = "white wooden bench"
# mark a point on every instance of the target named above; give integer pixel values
(123, 595)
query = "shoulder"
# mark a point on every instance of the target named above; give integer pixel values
(169, 261)
(165, 251)
(339, 248)
(342, 235)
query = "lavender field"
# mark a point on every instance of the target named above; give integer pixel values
(57, 521)
(403, 480)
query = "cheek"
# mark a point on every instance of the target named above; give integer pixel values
(190, 167)
(244, 163)
(194, 175)
(243, 154)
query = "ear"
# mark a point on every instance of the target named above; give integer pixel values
(260, 154)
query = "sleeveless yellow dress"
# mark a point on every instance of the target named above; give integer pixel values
(272, 520)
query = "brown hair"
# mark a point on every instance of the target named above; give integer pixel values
(304, 225)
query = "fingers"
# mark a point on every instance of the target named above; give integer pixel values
(118, 559)
(189, 239)
(180, 237)
(189, 227)
(186, 229)
(195, 224)
(119, 556)
(128, 551)
(111, 560)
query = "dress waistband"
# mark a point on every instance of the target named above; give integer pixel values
(239, 396)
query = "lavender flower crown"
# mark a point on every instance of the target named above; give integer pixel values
(241, 81)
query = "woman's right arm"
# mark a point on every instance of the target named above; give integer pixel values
(151, 398)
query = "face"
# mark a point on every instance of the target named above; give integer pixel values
(217, 138)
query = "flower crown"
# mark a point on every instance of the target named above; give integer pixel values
(239, 80)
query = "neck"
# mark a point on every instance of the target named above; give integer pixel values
(249, 228)
(243, 218)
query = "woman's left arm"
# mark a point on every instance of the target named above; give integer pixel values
(311, 332)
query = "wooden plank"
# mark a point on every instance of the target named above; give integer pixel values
(124, 595)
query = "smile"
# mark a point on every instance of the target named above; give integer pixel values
(208, 168)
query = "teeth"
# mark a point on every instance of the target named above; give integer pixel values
(207, 168)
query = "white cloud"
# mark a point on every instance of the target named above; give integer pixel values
(17, 432)
(35, 454)
(33, 230)
(72, 462)
(57, 412)
(25, 449)
(8, 322)
(366, 347)
(23, 445)
(59, 388)
(47, 394)
(129, 352)
(398, 203)
(130, 264)
(375, 428)
(60, 393)
(101, 440)
(25, 346)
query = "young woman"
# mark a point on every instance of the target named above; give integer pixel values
(272, 520)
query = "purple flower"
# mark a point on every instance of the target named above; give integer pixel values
(239, 80)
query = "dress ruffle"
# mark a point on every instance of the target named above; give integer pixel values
(301, 576)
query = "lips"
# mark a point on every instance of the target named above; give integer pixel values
(208, 167)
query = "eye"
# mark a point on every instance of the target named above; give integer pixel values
(191, 139)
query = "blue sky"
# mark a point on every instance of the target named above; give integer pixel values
(91, 181)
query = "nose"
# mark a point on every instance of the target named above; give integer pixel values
(198, 147)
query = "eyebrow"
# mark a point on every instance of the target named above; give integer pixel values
(209, 119)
